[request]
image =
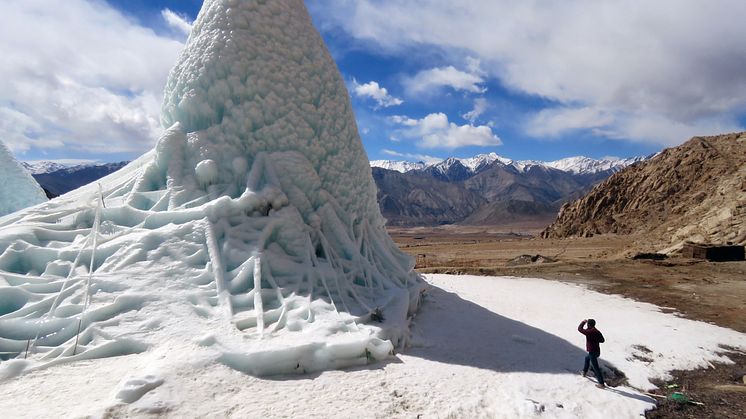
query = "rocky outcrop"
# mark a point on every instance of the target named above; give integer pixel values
(696, 191)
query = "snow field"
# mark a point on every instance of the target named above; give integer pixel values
(627, 325)
(249, 244)
(482, 348)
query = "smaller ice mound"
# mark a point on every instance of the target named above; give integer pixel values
(132, 389)
(18, 189)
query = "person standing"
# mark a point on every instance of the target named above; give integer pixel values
(593, 339)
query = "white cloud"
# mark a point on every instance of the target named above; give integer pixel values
(635, 60)
(435, 131)
(378, 93)
(480, 106)
(639, 126)
(555, 121)
(646, 127)
(403, 120)
(413, 156)
(82, 77)
(474, 65)
(427, 81)
(176, 21)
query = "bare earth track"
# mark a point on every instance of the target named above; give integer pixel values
(700, 290)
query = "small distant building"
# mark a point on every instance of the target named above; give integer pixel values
(713, 252)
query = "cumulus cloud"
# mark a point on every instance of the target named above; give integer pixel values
(88, 79)
(433, 79)
(435, 131)
(176, 21)
(378, 93)
(637, 60)
(412, 156)
(480, 106)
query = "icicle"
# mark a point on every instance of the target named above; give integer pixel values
(217, 269)
(258, 306)
(94, 233)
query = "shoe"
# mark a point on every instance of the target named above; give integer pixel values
(601, 385)
(584, 373)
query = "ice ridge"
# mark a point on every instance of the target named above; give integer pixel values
(18, 189)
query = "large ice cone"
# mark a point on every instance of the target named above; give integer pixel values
(250, 235)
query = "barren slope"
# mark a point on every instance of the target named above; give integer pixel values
(696, 191)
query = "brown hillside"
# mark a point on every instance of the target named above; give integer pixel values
(696, 191)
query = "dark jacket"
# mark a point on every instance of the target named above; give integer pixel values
(593, 338)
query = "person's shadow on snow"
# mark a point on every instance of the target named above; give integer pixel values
(452, 330)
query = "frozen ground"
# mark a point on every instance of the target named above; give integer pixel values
(483, 347)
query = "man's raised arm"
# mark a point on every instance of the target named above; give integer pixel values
(581, 327)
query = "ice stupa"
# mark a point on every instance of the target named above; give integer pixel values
(249, 236)
(18, 189)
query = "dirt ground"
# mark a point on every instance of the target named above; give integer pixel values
(719, 392)
(714, 292)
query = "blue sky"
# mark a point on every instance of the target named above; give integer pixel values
(428, 79)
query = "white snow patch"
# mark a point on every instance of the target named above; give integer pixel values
(483, 347)
(132, 389)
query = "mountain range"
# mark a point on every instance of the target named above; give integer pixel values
(57, 178)
(576, 165)
(486, 189)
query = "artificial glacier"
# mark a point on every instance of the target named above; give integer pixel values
(18, 189)
(249, 236)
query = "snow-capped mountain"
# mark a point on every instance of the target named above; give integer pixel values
(58, 179)
(585, 165)
(487, 189)
(579, 165)
(471, 164)
(480, 161)
(399, 166)
(37, 167)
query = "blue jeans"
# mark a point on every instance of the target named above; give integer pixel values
(592, 359)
